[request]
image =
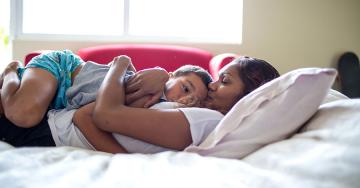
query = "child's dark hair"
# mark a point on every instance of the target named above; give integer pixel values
(198, 71)
(254, 72)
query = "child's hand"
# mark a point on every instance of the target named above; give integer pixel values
(189, 101)
(147, 82)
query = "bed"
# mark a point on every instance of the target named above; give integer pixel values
(323, 151)
(324, 154)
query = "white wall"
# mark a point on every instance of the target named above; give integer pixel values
(288, 33)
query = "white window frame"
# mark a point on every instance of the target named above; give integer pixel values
(17, 19)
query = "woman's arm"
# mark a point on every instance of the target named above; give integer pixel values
(167, 128)
(101, 140)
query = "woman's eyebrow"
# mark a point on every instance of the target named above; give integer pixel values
(225, 73)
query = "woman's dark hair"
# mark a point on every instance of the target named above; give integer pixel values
(254, 72)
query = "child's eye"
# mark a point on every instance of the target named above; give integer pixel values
(185, 89)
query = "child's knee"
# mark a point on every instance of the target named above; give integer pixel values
(24, 117)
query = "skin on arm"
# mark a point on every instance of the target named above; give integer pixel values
(26, 102)
(101, 140)
(167, 128)
(146, 87)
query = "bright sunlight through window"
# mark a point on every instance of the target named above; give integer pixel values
(79, 17)
(178, 20)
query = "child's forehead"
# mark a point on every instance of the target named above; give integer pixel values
(192, 79)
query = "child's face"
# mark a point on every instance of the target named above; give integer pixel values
(186, 89)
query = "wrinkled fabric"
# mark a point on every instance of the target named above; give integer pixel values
(87, 83)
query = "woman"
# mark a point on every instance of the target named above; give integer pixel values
(172, 128)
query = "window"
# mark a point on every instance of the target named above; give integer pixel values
(5, 49)
(80, 17)
(178, 20)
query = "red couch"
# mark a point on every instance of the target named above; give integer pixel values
(144, 56)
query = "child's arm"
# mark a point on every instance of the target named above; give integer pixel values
(101, 140)
(146, 87)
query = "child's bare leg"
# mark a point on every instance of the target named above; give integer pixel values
(26, 103)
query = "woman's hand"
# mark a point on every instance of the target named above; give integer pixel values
(123, 60)
(147, 82)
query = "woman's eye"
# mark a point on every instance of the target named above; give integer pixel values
(224, 80)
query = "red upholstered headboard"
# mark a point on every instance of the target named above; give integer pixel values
(144, 56)
(148, 55)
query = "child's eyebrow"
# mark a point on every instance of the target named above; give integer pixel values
(191, 84)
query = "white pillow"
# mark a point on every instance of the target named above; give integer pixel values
(333, 95)
(268, 114)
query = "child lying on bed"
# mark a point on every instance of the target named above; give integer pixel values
(61, 79)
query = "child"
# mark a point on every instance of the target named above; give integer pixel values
(61, 78)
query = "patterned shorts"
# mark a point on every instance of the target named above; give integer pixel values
(61, 64)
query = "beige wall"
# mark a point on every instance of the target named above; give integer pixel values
(288, 33)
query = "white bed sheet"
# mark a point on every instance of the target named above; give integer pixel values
(326, 154)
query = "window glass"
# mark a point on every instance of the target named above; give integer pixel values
(5, 49)
(182, 20)
(202, 19)
(79, 17)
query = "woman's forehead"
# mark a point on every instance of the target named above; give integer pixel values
(230, 68)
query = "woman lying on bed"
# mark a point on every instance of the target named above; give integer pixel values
(172, 129)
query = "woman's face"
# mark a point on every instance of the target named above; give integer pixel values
(226, 91)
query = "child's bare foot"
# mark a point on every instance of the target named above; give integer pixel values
(13, 66)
